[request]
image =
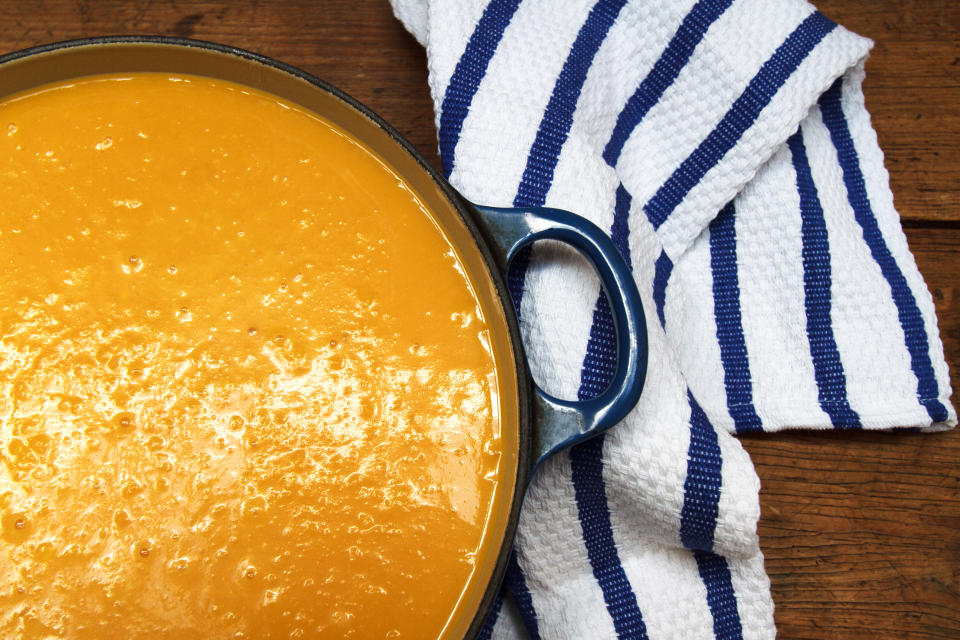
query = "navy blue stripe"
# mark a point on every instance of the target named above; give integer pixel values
(701, 489)
(600, 361)
(620, 229)
(664, 72)
(487, 629)
(586, 461)
(516, 582)
(661, 276)
(909, 313)
(558, 117)
(726, 311)
(741, 116)
(555, 125)
(720, 595)
(698, 522)
(516, 275)
(468, 73)
(827, 367)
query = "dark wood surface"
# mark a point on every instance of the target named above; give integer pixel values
(861, 532)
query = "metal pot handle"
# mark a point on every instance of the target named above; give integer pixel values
(562, 423)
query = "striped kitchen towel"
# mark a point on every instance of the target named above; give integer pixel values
(725, 146)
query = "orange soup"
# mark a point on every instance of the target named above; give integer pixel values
(246, 387)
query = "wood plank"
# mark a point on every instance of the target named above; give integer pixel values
(937, 251)
(860, 535)
(861, 532)
(912, 91)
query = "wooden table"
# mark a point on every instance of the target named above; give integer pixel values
(861, 531)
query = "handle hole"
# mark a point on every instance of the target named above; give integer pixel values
(559, 296)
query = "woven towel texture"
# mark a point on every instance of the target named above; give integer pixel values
(725, 146)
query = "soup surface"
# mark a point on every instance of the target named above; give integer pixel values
(246, 388)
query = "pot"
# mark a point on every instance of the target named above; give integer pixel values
(534, 424)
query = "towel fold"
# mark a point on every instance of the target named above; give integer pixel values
(726, 147)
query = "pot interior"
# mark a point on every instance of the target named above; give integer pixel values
(71, 60)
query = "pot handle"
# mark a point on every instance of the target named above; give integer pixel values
(562, 423)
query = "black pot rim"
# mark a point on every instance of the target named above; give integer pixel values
(466, 213)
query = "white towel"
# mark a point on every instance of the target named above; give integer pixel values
(725, 145)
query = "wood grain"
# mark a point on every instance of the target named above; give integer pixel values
(912, 87)
(861, 532)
